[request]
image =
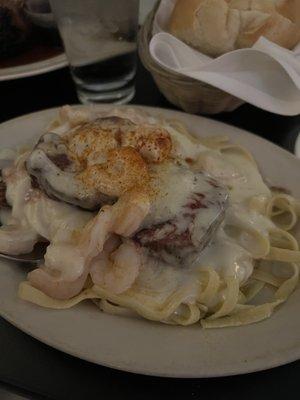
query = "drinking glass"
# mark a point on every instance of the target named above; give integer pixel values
(100, 42)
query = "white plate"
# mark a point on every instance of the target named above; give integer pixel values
(151, 348)
(36, 68)
(297, 146)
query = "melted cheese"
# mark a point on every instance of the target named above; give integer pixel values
(183, 147)
(251, 183)
(167, 199)
(54, 220)
(226, 257)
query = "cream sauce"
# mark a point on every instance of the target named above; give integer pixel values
(226, 257)
(61, 181)
(172, 186)
(53, 220)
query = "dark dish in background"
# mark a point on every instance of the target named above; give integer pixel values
(27, 32)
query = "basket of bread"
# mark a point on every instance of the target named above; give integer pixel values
(215, 28)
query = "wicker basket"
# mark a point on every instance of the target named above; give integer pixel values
(186, 93)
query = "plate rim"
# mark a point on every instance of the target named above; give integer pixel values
(33, 69)
(292, 354)
(293, 357)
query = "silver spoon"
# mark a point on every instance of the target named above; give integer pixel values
(35, 257)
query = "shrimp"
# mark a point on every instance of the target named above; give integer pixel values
(18, 183)
(73, 116)
(54, 286)
(118, 270)
(67, 266)
(152, 142)
(124, 169)
(96, 232)
(123, 218)
(64, 273)
(90, 142)
(130, 211)
(69, 118)
(16, 239)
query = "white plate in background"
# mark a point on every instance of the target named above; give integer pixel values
(141, 346)
(35, 68)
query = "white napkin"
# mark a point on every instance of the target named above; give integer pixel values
(266, 75)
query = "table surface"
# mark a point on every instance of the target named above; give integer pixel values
(37, 371)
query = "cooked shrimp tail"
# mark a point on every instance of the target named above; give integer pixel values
(118, 270)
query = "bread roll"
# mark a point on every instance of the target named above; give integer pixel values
(215, 27)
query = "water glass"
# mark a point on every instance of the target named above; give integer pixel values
(99, 37)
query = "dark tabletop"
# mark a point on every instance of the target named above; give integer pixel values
(32, 368)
